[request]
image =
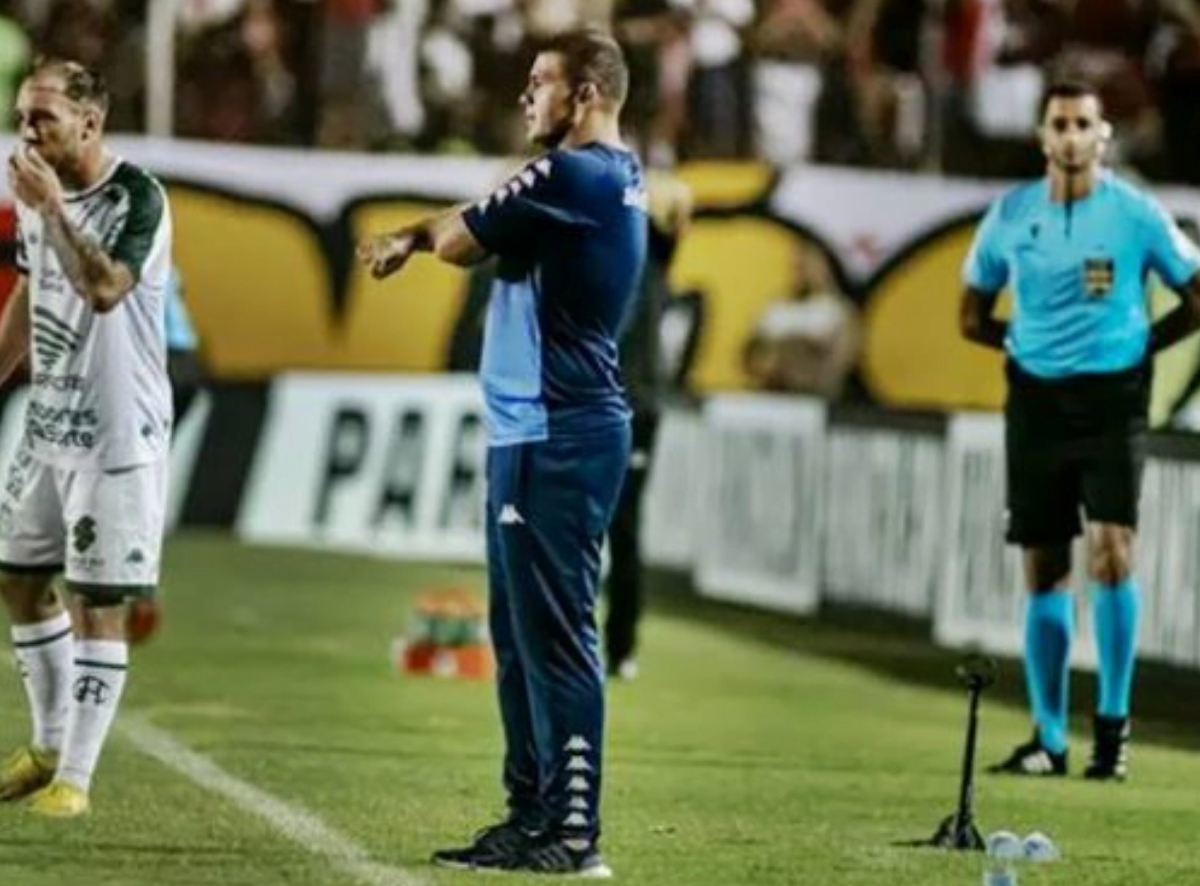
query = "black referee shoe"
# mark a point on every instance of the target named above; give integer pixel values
(1110, 749)
(1032, 758)
(493, 848)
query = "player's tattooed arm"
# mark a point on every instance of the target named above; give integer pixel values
(99, 280)
(977, 320)
(14, 329)
(1182, 321)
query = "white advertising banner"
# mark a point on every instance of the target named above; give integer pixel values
(673, 496)
(1167, 560)
(981, 601)
(883, 531)
(389, 465)
(761, 510)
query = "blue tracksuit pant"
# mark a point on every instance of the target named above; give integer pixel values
(549, 505)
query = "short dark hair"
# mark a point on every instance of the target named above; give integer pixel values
(591, 55)
(1068, 89)
(80, 83)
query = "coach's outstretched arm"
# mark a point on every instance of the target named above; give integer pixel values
(977, 321)
(99, 279)
(446, 236)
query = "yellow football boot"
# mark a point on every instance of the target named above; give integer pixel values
(26, 770)
(59, 800)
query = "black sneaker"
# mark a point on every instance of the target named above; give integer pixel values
(554, 855)
(1032, 758)
(493, 847)
(1110, 749)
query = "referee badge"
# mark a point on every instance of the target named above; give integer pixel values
(1098, 276)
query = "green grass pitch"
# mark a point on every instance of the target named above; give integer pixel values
(733, 759)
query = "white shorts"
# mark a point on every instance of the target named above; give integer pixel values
(99, 527)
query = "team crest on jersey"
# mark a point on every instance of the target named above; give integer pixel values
(1098, 276)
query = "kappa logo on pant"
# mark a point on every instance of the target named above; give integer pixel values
(510, 516)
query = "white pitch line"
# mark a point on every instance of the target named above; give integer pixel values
(294, 822)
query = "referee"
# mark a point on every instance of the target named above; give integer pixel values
(1076, 248)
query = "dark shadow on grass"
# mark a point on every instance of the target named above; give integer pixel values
(902, 649)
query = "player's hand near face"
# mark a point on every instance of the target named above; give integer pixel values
(33, 181)
(385, 254)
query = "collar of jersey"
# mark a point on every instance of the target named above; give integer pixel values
(72, 196)
(1103, 180)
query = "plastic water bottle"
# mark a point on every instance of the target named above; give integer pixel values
(1000, 862)
(999, 872)
(1040, 848)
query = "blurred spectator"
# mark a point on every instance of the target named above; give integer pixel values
(1105, 42)
(347, 93)
(545, 18)
(808, 341)
(125, 68)
(791, 40)
(395, 50)
(884, 42)
(717, 105)
(15, 53)
(235, 80)
(993, 66)
(218, 96)
(495, 33)
(264, 35)
(81, 30)
(1175, 65)
(1008, 85)
(945, 84)
(654, 36)
(195, 16)
(838, 130)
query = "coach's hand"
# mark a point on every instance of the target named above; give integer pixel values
(33, 181)
(385, 254)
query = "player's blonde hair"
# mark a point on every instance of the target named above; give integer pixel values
(80, 84)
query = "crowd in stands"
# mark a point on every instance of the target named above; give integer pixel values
(948, 85)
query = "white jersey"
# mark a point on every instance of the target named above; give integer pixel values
(100, 399)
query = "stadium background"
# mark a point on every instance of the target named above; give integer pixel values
(335, 421)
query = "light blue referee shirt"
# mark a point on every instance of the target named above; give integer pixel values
(1078, 273)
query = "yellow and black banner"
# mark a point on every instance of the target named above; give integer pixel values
(264, 239)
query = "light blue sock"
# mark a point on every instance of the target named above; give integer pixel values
(1115, 614)
(1049, 626)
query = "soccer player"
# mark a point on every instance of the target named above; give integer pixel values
(1076, 248)
(569, 230)
(86, 490)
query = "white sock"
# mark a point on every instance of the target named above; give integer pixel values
(45, 654)
(99, 680)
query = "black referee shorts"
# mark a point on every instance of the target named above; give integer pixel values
(1071, 444)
